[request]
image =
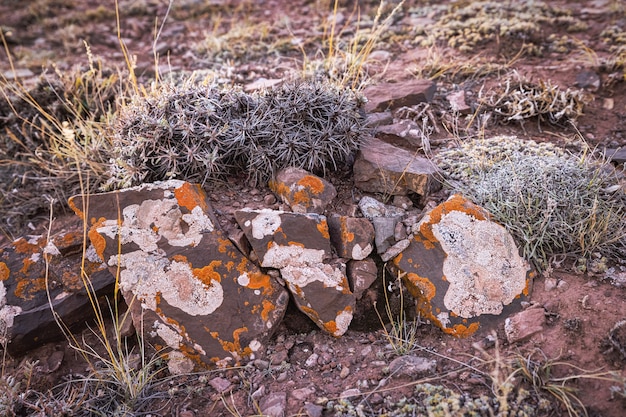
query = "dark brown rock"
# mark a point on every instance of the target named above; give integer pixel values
(26, 313)
(383, 168)
(351, 237)
(361, 274)
(390, 96)
(185, 282)
(463, 269)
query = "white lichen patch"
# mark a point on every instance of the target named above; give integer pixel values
(243, 279)
(146, 223)
(342, 322)
(301, 276)
(359, 253)
(147, 275)
(266, 223)
(171, 337)
(179, 364)
(278, 256)
(483, 266)
(7, 314)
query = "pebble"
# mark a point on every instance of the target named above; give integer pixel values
(345, 371)
(269, 199)
(220, 384)
(311, 360)
(352, 392)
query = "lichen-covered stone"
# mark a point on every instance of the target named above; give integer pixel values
(463, 269)
(383, 168)
(361, 274)
(186, 283)
(26, 313)
(299, 246)
(351, 237)
(303, 191)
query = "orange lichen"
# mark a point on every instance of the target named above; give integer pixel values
(191, 195)
(97, 240)
(27, 263)
(4, 272)
(75, 209)
(207, 274)
(322, 227)
(420, 286)
(313, 183)
(294, 243)
(27, 288)
(455, 203)
(279, 188)
(301, 197)
(461, 330)
(345, 233)
(21, 245)
(259, 280)
(223, 244)
(330, 326)
(180, 258)
(235, 345)
(268, 307)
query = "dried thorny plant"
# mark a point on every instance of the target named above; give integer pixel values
(197, 132)
(517, 99)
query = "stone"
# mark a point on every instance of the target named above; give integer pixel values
(274, 404)
(390, 96)
(385, 228)
(405, 134)
(371, 208)
(351, 237)
(299, 246)
(313, 410)
(458, 103)
(27, 315)
(463, 269)
(361, 275)
(395, 250)
(220, 384)
(262, 83)
(412, 366)
(383, 168)
(303, 191)
(588, 79)
(187, 286)
(524, 324)
(617, 156)
(379, 119)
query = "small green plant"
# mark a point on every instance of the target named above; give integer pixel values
(551, 202)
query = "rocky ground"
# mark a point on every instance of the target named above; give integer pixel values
(306, 372)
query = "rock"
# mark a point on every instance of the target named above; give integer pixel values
(274, 404)
(371, 208)
(262, 83)
(617, 156)
(349, 393)
(303, 191)
(26, 318)
(385, 228)
(390, 96)
(299, 245)
(302, 394)
(524, 324)
(351, 237)
(379, 119)
(313, 410)
(383, 168)
(406, 134)
(187, 285)
(395, 250)
(220, 384)
(457, 102)
(412, 366)
(588, 80)
(463, 269)
(361, 275)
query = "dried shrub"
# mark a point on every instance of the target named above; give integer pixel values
(551, 202)
(197, 133)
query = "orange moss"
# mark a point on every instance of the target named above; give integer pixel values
(190, 196)
(207, 274)
(5, 273)
(313, 183)
(322, 227)
(97, 240)
(268, 307)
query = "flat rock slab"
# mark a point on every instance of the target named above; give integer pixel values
(463, 270)
(26, 313)
(302, 191)
(383, 168)
(390, 96)
(299, 246)
(185, 282)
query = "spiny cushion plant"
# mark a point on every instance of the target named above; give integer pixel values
(551, 202)
(196, 132)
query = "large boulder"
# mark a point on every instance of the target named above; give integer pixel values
(41, 279)
(463, 269)
(299, 246)
(186, 284)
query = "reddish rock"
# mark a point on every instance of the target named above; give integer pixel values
(524, 324)
(383, 168)
(405, 134)
(26, 318)
(457, 102)
(351, 237)
(185, 282)
(390, 96)
(303, 191)
(463, 269)
(299, 245)
(361, 274)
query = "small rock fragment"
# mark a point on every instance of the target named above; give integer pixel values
(524, 324)
(412, 366)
